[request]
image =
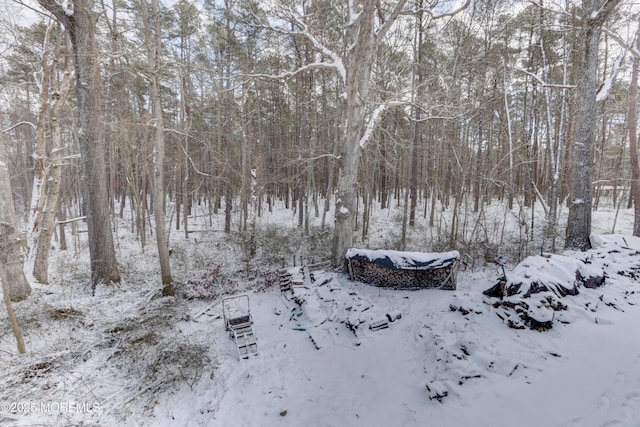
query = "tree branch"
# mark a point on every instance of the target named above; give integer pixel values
(603, 91)
(56, 10)
(10, 128)
(336, 61)
(542, 82)
(608, 31)
(603, 13)
(293, 73)
(615, 36)
(376, 116)
(390, 19)
(429, 11)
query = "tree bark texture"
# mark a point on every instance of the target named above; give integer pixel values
(158, 165)
(17, 332)
(595, 13)
(633, 139)
(54, 178)
(80, 24)
(361, 37)
(41, 168)
(11, 240)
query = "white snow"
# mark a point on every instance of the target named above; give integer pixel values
(552, 270)
(406, 259)
(585, 373)
(447, 358)
(68, 7)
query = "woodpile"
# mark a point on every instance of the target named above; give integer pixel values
(441, 276)
(533, 296)
(437, 390)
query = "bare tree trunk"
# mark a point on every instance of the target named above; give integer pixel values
(555, 145)
(245, 160)
(81, 27)
(254, 212)
(228, 169)
(382, 172)
(329, 189)
(153, 51)
(41, 169)
(47, 226)
(362, 38)
(11, 240)
(633, 139)
(510, 139)
(418, 84)
(17, 332)
(61, 226)
(185, 125)
(595, 12)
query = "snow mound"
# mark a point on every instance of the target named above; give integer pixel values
(536, 293)
(559, 274)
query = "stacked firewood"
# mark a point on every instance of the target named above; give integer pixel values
(369, 272)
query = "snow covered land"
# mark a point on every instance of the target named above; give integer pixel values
(331, 352)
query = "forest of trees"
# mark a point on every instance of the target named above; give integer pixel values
(236, 104)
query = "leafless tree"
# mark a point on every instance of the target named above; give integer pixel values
(633, 137)
(11, 239)
(154, 49)
(79, 20)
(594, 15)
(54, 177)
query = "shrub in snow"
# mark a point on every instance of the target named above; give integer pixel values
(154, 355)
(211, 284)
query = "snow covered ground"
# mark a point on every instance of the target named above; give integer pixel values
(586, 373)
(132, 358)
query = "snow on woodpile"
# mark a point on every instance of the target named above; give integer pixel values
(558, 274)
(403, 270)
(538, 291)
(400, 260)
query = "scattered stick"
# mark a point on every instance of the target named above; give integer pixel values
(205, 310)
